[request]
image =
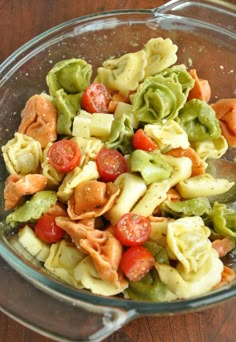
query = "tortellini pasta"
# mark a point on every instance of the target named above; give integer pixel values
(68, 106)
(154, 196)
(199, 121)
(132, 189)
(186, 285)
(181, 76)
(187, 240)
(199, 206)
(73, 75)
(62, 261)
(86, 274)
(158, 98)
(151, 166)
(54, 177)
(33, 209)
(126, 72)
(89, 148)
(161, 54)
(167, 134)
(211, 148)
(75, 177)
(203, 185)
(123, 73)
(159, 231)
(224, 220)
(22, 155)
(66, 82)
(181, 169)
(121, 134)
(150, 288)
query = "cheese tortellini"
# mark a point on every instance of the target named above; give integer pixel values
(86, 274)
(187, 285)
(210, 148)
(187, 240)
(74, 178)
(62, 261)
(199, 267)
(22, 155)
(203, 185)
(167, 134)
(54, 177)
(161, 54)
(123, 73)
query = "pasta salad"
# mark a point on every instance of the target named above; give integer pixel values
(108, 185)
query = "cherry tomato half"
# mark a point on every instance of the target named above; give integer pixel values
(141, 141)
(132, 229)
(110, 164)
(96, 98)
(136, 262)
(47, 230)
(64, 155)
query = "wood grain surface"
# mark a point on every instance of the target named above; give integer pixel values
(21, 20)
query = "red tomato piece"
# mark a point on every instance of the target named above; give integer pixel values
(96, 98)
(64, 155)
(47, 230)
(141, 141)
(136, 262)
(110, 164)
(132, 229)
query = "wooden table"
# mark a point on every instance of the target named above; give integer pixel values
(20, 21)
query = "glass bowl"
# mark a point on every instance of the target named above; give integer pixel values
(205, 34)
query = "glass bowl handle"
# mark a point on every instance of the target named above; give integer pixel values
(55, 315)
(214, 12)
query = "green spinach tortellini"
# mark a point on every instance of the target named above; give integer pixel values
(158, 98)
(224, 220)
(121, 134)
(33, 209)
(149, 288)
(181, 76)
(199, 121)
(68, 106)
(193, 207)
(71, 75)
(151, 166)
(66, 82)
